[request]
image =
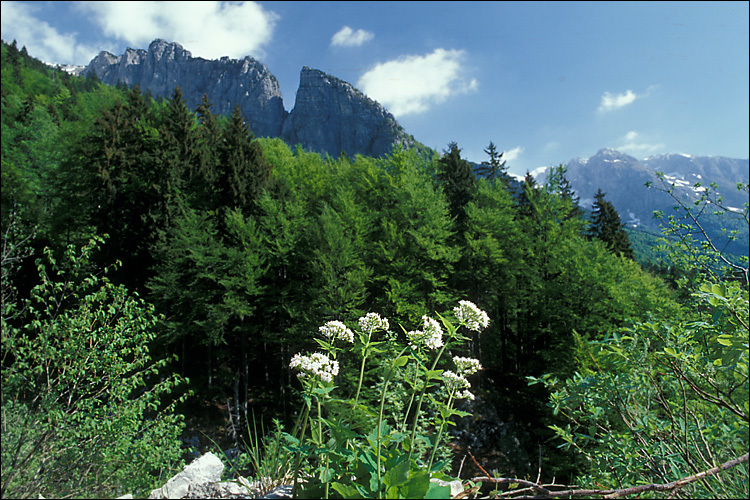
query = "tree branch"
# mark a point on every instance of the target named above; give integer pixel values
(544, 492)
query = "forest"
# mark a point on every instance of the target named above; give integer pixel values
(165, 275)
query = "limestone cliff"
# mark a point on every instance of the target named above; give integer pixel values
(329, 115)
(227, 82)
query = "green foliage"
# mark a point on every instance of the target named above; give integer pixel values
(667, 398)
(458, 181)
(606, 226)
(85, 412)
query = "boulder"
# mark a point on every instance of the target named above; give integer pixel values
(206, 469)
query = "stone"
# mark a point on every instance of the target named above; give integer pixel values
(206, 469)
(226, 489)
(279, 492)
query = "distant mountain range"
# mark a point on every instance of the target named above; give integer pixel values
(329, 115)
(623, 178)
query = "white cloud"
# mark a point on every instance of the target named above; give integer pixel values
(513, 153)
(207, 29)
(18, 22)
(411, 84)
(633, 145)
(347, 37)
(611, 101)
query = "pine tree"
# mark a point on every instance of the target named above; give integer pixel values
(607, 227)
(179, 152)
(495, 168)
(557, 183)
(204, 172)
(459, 183)
(244, 171)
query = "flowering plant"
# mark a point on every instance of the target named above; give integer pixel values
(386, 461)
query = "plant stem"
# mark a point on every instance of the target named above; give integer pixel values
(361, 376)
(421, 398)
(440, 432)
(380, 414)
(411, 400)
(320, 442)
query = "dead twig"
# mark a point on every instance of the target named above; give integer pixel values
(605, 493)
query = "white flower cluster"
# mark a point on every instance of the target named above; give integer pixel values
(467, 366)
(431, 335)
(337, 330)
(458, 383)
(317, 365)
(372, 322)
(471, 316)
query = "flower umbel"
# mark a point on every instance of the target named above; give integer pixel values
(431, 336)
(337, 330)
(317, 365)
(467, 366)
(457, 383)
(372, 322)
(471, 316)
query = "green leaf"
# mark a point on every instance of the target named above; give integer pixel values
(437, 491)
(725, 340)
(346, 491)
(400, 361)
(670, 351)
(398, 475)
(418, 485)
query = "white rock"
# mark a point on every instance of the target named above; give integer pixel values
(206, 469)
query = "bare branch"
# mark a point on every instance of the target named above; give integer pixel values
(610, 493)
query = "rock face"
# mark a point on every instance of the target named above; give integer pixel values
(227, 82)
(329, 116)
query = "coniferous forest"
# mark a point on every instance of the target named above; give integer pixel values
(165, 275)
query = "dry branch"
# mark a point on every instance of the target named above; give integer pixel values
(544, 492)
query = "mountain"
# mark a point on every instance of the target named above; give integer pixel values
(623, 178)
(329, 115)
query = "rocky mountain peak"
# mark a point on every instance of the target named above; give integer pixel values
(329, 115)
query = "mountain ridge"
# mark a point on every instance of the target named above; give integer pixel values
(330, 116)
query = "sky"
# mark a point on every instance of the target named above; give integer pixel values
(544, 81)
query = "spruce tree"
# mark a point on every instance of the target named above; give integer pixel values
(607, 227)
(495, 168)
(459, 183)
(243, 169)
(557, 183)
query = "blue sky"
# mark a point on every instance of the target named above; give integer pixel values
(546, 82)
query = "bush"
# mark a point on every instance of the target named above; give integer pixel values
(85, 410)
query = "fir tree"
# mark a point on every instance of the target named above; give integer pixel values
(557, 183)
(459, 183)
(607, 227)
(244, 171)
(495, 168)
